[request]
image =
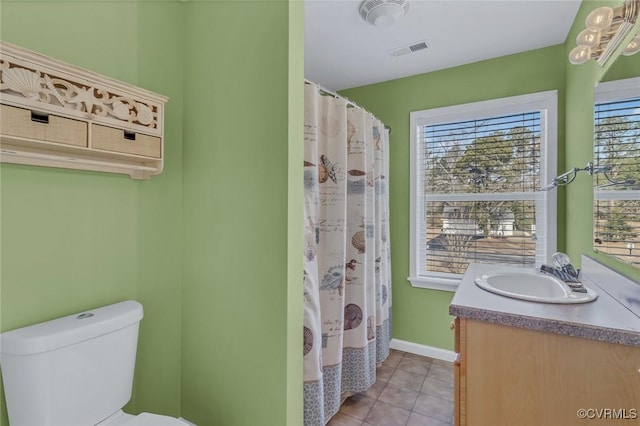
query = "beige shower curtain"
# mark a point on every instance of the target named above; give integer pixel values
(347, 274)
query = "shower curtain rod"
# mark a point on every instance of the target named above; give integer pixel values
(348, 101)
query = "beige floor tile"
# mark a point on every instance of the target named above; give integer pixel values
(357, 406)
(394, 358)
(419, 420)
(384, 372)
(400, 397)
(443, 363)
(410, 390)
(441, 372)
(432, 406)
(374, 391)
(343, 420)
(419, 357)
(438, 388)
(405, 379)
(383, 414)
(415, 366)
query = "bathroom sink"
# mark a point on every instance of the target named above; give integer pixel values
(535, 287)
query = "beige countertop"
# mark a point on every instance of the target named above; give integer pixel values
(613, 317)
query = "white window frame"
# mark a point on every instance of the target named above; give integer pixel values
(547, 104)
(610, 91)
(617, 90)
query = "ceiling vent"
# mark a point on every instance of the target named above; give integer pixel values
(383, 13)
(405, 50)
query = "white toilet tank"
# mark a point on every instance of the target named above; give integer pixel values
(72, 371)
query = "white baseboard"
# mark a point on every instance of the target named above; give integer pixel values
(424, 350)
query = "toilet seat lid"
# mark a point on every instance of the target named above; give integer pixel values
(148, 419)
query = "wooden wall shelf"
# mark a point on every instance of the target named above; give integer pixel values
(58, 115)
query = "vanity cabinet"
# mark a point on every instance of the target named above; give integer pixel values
(58, 115)
(507, 375)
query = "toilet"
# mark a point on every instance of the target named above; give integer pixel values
(75, 370)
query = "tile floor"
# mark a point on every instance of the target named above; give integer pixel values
(411, 390)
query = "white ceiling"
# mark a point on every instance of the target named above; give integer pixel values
(343, 51)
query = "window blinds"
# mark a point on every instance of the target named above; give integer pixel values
(617, 207)
(479, 183)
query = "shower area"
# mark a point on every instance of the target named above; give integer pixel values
(347, 271)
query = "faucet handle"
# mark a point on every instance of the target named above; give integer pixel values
(563, 261)
(571, 280)
(560, 259)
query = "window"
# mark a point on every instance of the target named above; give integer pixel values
(476, 170)
(617, 148)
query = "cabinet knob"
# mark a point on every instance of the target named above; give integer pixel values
(452, 325)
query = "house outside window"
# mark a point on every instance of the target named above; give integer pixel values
(476, 174)
(616, 196)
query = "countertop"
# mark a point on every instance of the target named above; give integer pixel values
(608, 318)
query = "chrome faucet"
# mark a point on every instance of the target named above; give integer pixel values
(562, 261)
(565, 271)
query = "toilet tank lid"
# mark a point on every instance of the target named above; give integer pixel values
(70, 329)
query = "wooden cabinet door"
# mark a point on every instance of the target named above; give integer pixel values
(514, 376)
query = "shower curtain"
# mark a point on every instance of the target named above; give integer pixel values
(347, 273)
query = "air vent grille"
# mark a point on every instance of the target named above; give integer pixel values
(418, 46)
(412, 48)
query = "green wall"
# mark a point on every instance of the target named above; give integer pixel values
(240, 358)
(211, 246)
(623, 67)
(420, 315)
(295, 215)
(72, 240)
(159, 256)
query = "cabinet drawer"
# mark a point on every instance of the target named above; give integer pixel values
(116, 140)
(21, 123)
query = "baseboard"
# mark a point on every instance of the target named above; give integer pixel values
(424, 350)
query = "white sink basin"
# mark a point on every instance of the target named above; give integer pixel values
(535, 287)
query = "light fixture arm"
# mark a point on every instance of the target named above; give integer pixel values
(629, 14)
(568, 177)
(606, 29)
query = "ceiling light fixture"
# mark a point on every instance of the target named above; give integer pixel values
(605, 30)
(383, 13)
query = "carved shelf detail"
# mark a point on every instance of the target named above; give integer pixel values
(100, 123)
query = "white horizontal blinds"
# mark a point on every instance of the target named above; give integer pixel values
(617, 141)
(479, 185)
(499, 154)
(617, 207)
